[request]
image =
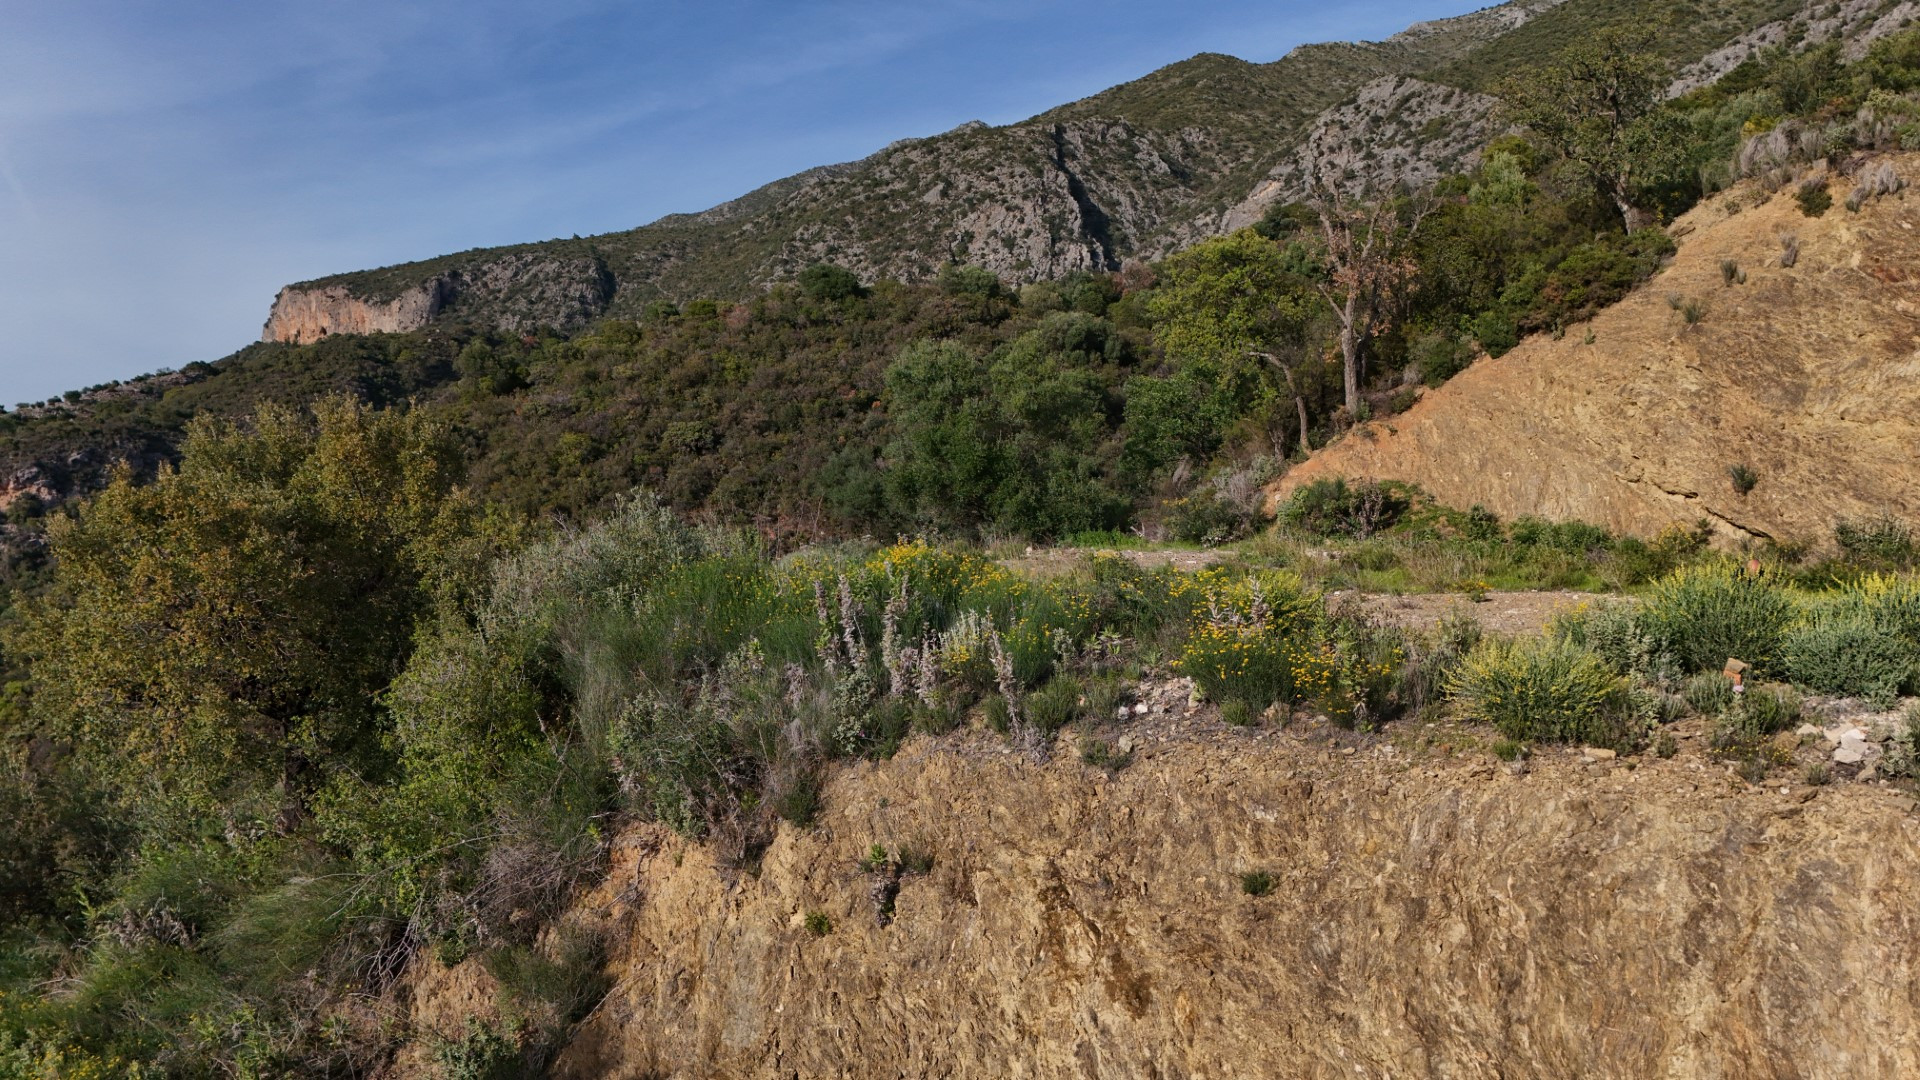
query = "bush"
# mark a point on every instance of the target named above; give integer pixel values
(1206, 518)
(1709, 693)
(1333, 508)
(1256, 883)
(1540, 690)
(1236, 714)
(1614, 631)
(1814, 198)
(1883, 542)
(481, 1054)
(1104, 755)
(1054, 705)
(1257, 645)
(1842, 649)
(1703, 616)
(1762, 711)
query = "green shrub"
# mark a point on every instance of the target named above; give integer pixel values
(1236, 714)
(1882, 543)
(1539, 690)
(1903, 749)
(1257, 882)
(998, 714)
(1335, 508)
(1763, 711)
(1743, 477)
(819, 924)
(1431, 658)
(1814, 198)
(1258, 644)
(1054, 705)
(1665, 745)
(1614, 630)
(1703, 616)
(483, 1053)
(1842, 649)
(1102, 754)
(1509, 749)
(1709, 693)
(1208, 519)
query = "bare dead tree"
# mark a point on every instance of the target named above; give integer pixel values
(1370, 266)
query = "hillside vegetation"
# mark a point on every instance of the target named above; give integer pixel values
(368, 700)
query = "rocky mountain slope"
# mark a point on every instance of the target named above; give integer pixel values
(1193, 149)
(1430, 915)
(1807, 372)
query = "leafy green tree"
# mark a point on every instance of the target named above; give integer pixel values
(1598, 103)
(215, 640)
(947, 457)
(1024, 440)
(825, 281)
(1237, 299)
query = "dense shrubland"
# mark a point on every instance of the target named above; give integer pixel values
(301, 712)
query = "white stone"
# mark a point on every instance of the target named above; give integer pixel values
(1848, 757)
(1140, 709)
(1594, 753)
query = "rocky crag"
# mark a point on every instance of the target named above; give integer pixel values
(1786, 344)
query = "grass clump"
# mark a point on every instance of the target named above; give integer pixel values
(818, 923)
(1743, 477)
(1509, 749)
(1544, 690)
(1102, 754)
(1257, 882)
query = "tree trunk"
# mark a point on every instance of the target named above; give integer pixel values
(1299, 403)
(1350, 362)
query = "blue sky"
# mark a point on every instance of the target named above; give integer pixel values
(167, 165)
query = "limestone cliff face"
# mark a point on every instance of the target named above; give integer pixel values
(1808, 374)
(523, 291)
(1429, 917)
(301, 316)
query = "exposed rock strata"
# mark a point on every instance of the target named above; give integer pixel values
(1430, 918)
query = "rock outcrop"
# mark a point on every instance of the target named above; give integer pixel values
(1428, 916)
(1808, 374)
(1396, 133)
(301, 315)
(521, 291)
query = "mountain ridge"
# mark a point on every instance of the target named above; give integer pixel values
(1135, 170)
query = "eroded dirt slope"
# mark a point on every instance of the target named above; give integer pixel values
(1431, 916)
(1808, 375)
